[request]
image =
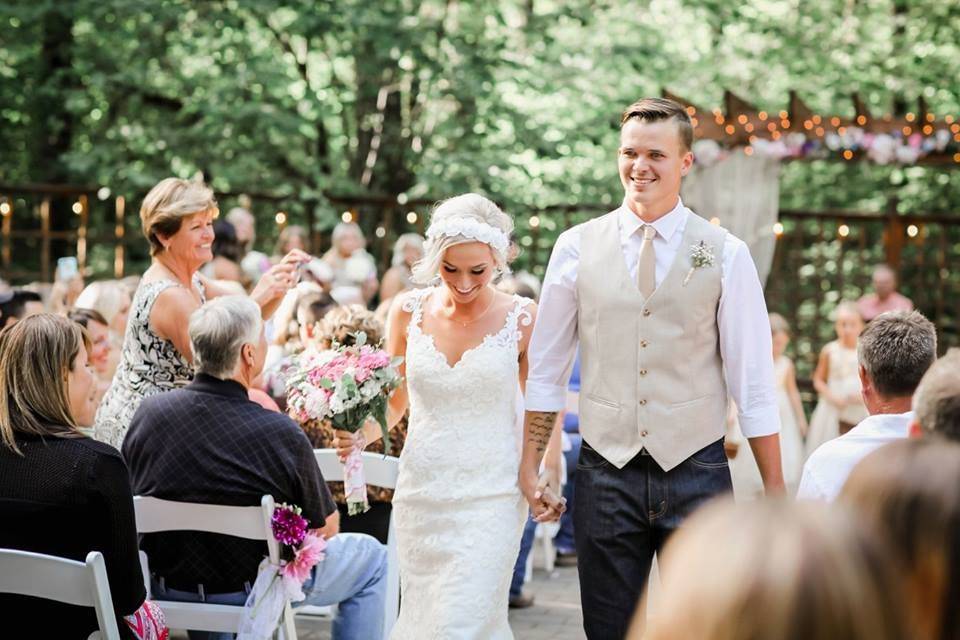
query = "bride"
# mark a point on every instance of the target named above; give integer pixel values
(458, 511)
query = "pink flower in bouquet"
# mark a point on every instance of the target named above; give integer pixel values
(289, 527)
(307, 556)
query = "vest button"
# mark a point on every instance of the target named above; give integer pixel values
(643, 372)
(646, 312)
(643, 343)
(643, 402)
(644, 433)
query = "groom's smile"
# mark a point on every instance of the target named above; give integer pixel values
(652, 160)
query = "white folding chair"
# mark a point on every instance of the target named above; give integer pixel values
(379, 471)
(83, 584)
(155, 515)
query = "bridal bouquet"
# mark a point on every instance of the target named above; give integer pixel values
(302, 550)
(345, 385)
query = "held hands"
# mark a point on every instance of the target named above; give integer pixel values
(543, 495)
(279, 279)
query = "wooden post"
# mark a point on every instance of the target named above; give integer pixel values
(893, 236)
(82, 231)
(45, 239)
(119, 231)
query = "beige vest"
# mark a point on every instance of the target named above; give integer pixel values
(650, 370)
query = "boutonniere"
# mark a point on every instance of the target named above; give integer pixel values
(700, 256)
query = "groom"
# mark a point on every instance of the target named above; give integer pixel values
(670, 319)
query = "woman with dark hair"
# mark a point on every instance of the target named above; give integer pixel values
(53, 478)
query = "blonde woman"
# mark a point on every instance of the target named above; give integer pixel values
(53, 478)
(112, 301)
(177, 219)
(773, 570)
(354, 271)
(457, 507)
(407, 251)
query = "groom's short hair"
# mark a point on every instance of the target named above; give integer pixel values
(657, 109)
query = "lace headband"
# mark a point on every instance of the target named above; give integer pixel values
(470, 228)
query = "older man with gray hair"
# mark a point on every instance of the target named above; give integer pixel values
(208, 443)
(936, 404)
(895, 351)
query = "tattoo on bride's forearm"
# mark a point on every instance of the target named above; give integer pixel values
(539, 427)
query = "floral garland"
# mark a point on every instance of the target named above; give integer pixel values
(881, 148)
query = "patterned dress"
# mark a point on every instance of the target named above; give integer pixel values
(149, 365)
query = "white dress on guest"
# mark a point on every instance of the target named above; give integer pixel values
(843, 380)
(791, 440)
(458, 510)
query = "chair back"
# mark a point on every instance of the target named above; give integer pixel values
(380, 471)
(155, 515)
(83, 584)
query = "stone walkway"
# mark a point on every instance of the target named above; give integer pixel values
(554, 616)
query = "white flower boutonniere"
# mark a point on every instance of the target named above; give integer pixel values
(700, 256)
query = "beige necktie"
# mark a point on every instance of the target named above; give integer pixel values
(647, 268)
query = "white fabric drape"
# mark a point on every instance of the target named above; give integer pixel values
(743, 192)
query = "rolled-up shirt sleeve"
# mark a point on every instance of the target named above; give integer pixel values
(745, 343)
(553, 345)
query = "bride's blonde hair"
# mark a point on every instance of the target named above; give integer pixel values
(471, 207)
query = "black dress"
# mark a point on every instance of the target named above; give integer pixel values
(66, 497)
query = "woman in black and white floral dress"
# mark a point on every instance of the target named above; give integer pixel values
(177, 218)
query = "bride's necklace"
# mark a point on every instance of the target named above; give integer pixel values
(481, 315)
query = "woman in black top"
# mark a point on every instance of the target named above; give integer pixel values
(61, 493)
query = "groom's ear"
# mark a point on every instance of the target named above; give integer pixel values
(686, 162)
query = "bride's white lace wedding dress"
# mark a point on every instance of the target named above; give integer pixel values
(458, 509)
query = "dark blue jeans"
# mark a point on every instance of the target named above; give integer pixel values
(624, 516)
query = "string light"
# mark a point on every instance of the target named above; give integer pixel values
(691, 110)
(103, 193)
(748, 128)
(715, 220)
(762, 115)
(785, 123)
(819, 131)
(807, 125)
(775, 135)
(913, 230)
(843, 230)
(847, 154)
(280, 218)
(412, 217)
(5, 208)
(927, 129)
(778, 229)
(842, 130)
(931, 117)
(748, 150)
(347, 216)
(695, 122)
(816, 119)
(948, 119)
(77, 207)
(783, 115)
(730, 129)
(742, 119)
(861, 120)
(771, 126)
(534, 222)
(911, 117)
(380, 232)
(835, 121)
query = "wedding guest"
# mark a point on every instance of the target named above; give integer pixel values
(292, 238)
(61, 493)
(227, 253)
(100, 347)
(341, 326)
(208, 443)
(67, 286)
(936, 404)
(244, 224)
(909, 493)
(774, 570)
(406, 252)
(17, 304)
(354, 271)
(793, 421)
(110, 299)
(895, 350)
(177, 219)
(294, 332)
(885, 297)
(836, 382)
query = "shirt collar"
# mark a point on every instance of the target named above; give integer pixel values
(666, 225)
(205, 383)
(879, 423)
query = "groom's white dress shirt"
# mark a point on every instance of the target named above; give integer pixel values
(828, 468)
(744, 328)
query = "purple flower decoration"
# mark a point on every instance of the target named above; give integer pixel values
(289, 527)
